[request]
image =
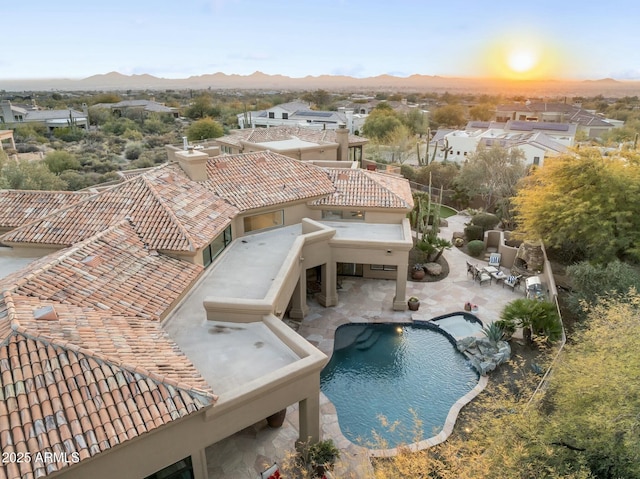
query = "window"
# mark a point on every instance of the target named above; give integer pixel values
(212, 250)
(264, 221)
(343, 215)
(180, 470)
(383, 267)
(272, 114)
(536, 160)
(285, 116)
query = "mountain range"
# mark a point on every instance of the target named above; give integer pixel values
(261, 81)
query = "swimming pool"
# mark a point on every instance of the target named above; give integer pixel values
(397, 372)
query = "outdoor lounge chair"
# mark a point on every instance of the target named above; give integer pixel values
(494, 260)
(482, 276)
(512, 282)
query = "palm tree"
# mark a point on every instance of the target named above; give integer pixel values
(534, 317)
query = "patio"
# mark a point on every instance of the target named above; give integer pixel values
(244, 454)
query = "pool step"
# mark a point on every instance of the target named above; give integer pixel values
(370, 341)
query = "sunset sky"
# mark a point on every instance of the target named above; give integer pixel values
(361, 38)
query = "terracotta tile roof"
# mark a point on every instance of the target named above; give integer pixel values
(81, 369)
(362, 188)
(278, 133)
(58, 399)
(19, 207)
(168, 211)
(110, 272)
(254, 180)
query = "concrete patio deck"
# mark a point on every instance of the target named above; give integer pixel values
(246, 453)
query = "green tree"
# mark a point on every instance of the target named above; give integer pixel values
(493, 174)
(449, 116)
(204, 129)
(416, 121)
(381, 123)
(583, 201)
(59, 161)
(201, 107)
(482, 112)
(26, 175)
(321, 99)
(442, 174)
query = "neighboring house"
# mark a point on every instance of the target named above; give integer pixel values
(12, 116)
(592, 124)
(137, 107)
(300, 143)
(130, 318)
(300, 114)
(536, 140)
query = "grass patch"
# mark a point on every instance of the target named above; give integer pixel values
(445, 211)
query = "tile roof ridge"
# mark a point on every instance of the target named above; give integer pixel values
(100, 357)
(61, 255)
(14, 324)
(174, 219)
(375, 175)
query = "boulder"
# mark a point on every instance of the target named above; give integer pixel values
(434, 269)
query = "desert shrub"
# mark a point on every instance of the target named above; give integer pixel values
(69, 133)
(473, 232)
(487, 221)
(475, 248)
(27, 148)
(133, 151)
(592, 282)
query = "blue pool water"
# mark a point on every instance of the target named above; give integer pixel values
(397, 372)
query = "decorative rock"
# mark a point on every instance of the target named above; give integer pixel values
(483, 354)
(458, 234)
(434, 269)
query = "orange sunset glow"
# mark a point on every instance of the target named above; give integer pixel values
(520, 58)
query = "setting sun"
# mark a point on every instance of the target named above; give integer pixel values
(520, 56)
(522, 61)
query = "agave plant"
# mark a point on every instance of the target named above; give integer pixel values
(493, 332)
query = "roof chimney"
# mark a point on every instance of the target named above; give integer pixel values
(342, 137)
(193, 163)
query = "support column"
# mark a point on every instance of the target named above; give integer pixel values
(199, 465)
(309, 412)
(400, 299)
(329, 294)
(299, 307)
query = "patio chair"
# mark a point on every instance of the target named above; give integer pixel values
(512, 282)
(494, 260)
(482, 276)
(471, 269)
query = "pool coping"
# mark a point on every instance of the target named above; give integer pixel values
(449, 422)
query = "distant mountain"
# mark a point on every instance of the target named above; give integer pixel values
(263, 81)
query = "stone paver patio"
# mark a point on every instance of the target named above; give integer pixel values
(244, 454)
